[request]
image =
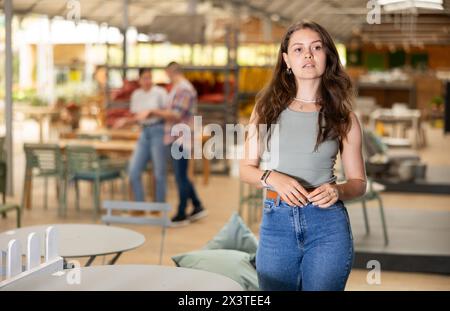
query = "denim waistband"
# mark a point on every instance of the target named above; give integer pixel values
(279, 202)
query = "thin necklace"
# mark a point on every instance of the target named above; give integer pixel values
(305, 101)
(308, 101)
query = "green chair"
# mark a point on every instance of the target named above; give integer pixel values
(44, 160)
(371, 145)
(84, 164)
(4, 208)
(373, 193)
(250, 198)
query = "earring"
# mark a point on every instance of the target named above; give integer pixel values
(289, 71)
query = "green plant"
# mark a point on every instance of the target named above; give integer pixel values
(436, 101)
(38, 102)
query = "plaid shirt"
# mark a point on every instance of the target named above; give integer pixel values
(183, 100)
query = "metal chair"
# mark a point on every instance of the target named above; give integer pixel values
(43, 160)
(128, 206)
(373, 189)
(372, 193)
(252, 200)
(84, 164)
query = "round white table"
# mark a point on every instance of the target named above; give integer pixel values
(126, 278)
(80, 240)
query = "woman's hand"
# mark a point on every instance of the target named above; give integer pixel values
(288, 188)
(324, 196)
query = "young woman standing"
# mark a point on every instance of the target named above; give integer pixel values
(305, 236)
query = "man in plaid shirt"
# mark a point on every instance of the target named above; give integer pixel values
(180, 109)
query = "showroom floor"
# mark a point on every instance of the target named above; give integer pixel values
(220, 205)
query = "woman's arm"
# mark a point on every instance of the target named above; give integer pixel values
(353, 163)
(287, 187)
(249, 171)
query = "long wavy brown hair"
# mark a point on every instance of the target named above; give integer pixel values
(336, 90)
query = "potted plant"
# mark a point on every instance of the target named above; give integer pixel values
(73, 110)
(437, 104)
(437, 111)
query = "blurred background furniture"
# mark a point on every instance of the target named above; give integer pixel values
(4, 208)
(365, 105)
(14, 269)
(372, 193)
(250, 201)
(381, 160)
(43, 160)
(80, 240)
(400, 115)
(130, 278)
(163, 221)
(84, 164)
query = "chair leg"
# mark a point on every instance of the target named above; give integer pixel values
(112, 189)
(4, 202)
(46, 192)
(97, 187)
(366, 219)
(124, 187)
(19, 215)
(30, 192)
(77, 195)
(163, 239)
(27, 184)
(66, 192)
(58, 194)
(241, 197)
(383, 221)
(61, 196)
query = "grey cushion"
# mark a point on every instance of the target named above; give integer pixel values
(234, 235)
(230, 263)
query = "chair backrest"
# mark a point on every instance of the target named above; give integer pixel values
(162, 221)
(129, 206)
(81, 159)
(46, 158)
(372, 144)
(52, 262)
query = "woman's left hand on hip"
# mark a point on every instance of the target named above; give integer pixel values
(324, 196)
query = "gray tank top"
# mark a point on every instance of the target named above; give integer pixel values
(296, 156)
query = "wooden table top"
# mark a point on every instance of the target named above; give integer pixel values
(114, 134)
(100, 145)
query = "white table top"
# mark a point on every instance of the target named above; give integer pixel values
(79, 240)
(129, 278)
(395, 115)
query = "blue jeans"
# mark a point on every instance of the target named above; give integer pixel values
(186, 189)
(150, 146)
(304, 248)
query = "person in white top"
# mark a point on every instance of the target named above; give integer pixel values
(150, 146)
